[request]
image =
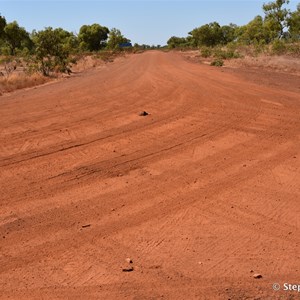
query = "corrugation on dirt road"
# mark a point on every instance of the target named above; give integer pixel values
(201, 194)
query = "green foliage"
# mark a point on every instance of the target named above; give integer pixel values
(279, 47)
(217, 62)
(276, 17)
(50, 52)
(205, 52)
(260, 47)
(16, 37)
(115, 38)
(10, 65)
(254, 32)
(225, 54)
(228, 33)
(69, 40)
(233, 46)
(177, 42)
(294, 23)
(208, 35)
(2, 26)
(4, 49)
(213, 34)
(294, 49)
(259, 32)
(93, 37)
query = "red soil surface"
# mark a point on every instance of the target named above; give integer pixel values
(201, 194)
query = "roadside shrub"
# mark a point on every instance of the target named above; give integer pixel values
(4, 50)
(246, 50)
(232, 46)
(278, 47)
(50, 53)
(293, 49)
(107, 55)
(225, 54)
(21, 81)
(217, 63)
(9, 65)
(260, 47)
(206, 52)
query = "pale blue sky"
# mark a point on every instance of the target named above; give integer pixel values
(144, 21)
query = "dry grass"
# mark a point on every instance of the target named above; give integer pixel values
(20, 81)
(277, 63)
(283, 63)
(85, 62)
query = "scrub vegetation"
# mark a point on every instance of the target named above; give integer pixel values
(54, 51)
(276, 32)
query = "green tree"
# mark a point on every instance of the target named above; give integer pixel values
(115, 38)
(228, 33)
(254, 32)
(294, 23)
(69, 40)
(176, 42)
(50, 53)
(93, 37)
(207, 35)
(2, 26)
(16, 37)
(276, 17)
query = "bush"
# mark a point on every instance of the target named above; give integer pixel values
(107, 55)
(50, 54)
(10, 64)
(217, 63)
(294, 49)
(233, 46)
(206, 52)
(259, 47)
(226, 54)
(21, 81)
(279, 47)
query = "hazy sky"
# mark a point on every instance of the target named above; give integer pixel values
(144, 21)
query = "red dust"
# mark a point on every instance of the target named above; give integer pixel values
(209, 192)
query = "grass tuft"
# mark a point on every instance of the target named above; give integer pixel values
(20, 81)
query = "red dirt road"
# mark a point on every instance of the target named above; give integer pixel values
(201, 194)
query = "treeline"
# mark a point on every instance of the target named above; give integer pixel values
(14, 39)
(51, 49)
(278, 24)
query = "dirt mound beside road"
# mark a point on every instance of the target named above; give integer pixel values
(202, 194)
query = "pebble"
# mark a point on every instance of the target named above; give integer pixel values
(143, 113)
(129, 260)
(128, 267)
